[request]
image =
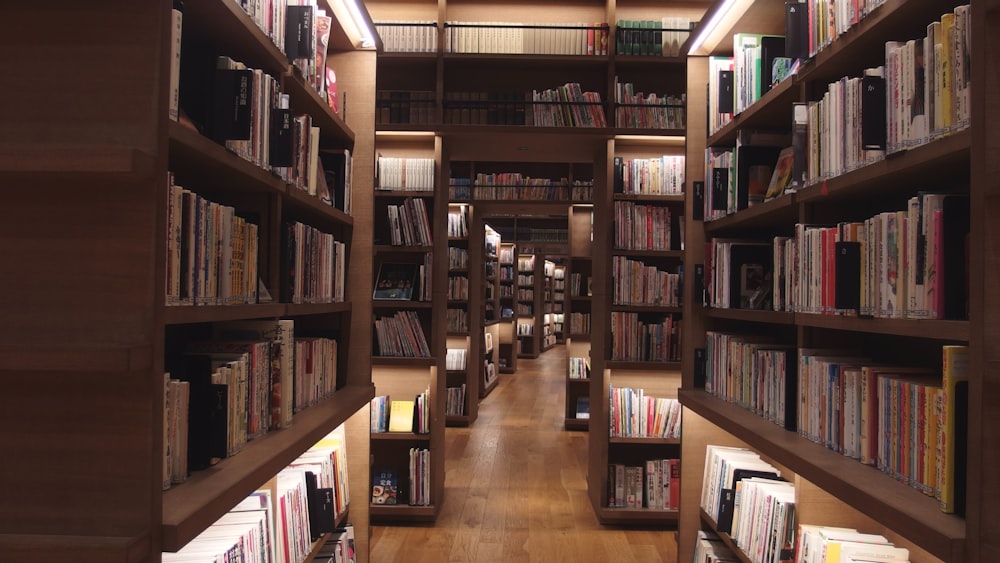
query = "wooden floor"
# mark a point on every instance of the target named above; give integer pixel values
(515, 487)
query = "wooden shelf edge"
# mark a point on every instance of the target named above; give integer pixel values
(912, 514)
(190, 507)
(725, 538)
(647, 441)
(576, 424)
(624, 364)
(401, 361)
(387, 514)
(316, 206)
(188, 314)
(637, 516)
(917, 328)
(457, 421)
(54, 547)
(400, 436)
(770, 317)
(106, 162)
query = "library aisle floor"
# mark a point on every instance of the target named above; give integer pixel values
(516, 487)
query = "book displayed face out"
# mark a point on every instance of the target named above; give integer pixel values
(396, 282)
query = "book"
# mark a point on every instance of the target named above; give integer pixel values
(401, 416)
(396, 282)
(385, 487)
(952, 435)
(582, 408)
(781, 178)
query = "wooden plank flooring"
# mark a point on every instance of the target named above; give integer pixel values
(516, 489)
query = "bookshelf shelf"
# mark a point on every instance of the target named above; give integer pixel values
(455, 420)
(402, 361)
(576, 424)
(403, 436)
(525, 61)
(647, 253)
(191, 152)
(645, 308)
(772, 107)
(305, 99)
(621, 364)
(637, 516)
(316, 210)
(771, 317)
(776, 213)
(911, 513)
(190, 507)
(644, 441)
(108, 163)
(379, 193)
(931, 329)
(185, 314)
(393, 249)
(650, 198)
(726, 539)
(380, 304)
(229, 25)
(403, 512)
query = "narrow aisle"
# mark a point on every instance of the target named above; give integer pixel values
(516, 489)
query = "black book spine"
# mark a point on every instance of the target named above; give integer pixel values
(873, 118)
(299, 36)
(282, 137)
(796, 30)
(720, 188)
(726, 99)
(847, 274)
(698, 203)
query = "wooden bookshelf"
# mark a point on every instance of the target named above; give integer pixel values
(90, 333)
(851, 493)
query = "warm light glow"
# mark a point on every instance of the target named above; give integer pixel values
(355, 25)
(726, 11)
(651, 139)
(407, 134)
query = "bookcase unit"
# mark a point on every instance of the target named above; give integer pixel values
(507, 344)
(405, 377)
(492, 308)
(578, 313)
(461, 283)
(831, 488)
(90, 334)
(529, 301)
(479, 99)
(559, 304)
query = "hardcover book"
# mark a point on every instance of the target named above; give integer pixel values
(385, 487)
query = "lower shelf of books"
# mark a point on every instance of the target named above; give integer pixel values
(851, 487)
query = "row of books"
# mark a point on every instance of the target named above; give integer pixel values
(249, 379)
(457, 320)
(579, 323)
(633, 414)
(539, 235)
(408, 36)
(413, 107)
(528, 39)
(525, 328)
(455, 359)
(507, 254)
(507, 272)
(901, 420)
(526, 263)
(313, 266)
(648, 111)
(401, 335)
(458, 288)
(459, 189)
(636, 283)
(637, 340)
(897, 264)
(579, 368)
(458, 222)
(525, 309)
(567, 106)
(642, 227)
(212, 253)
(301, 31)
(649, 176)
(400, 415)
(404, 281)
(580, 285)
(402, 173)
(454, 401)
(662, 37)
(515, 186)
(420, 477)
(409, 224)
(458, 258)
(654, 485)
(285, 518)
(748, 500)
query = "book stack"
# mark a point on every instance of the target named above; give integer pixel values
(817, 544)
(579, 323)
(639, 284)
(662, 37)
(408, 36)
(892, 265)
(315, 370)
(314, 266)
(579, 368)
(458, 320)
(649, 176)
(409, 224)
(567, 106)
(517, 38)
(212, 253)
(401, 335)
(642, 227)
(454, 401)
(764, 384)
(420, 477)
(455, 359)
(637, 340)
(406, 107)
(654, 485)
(653, 111)
(634, 415)
(458, 258)
(458, 288)
(458, 222)
(409, 174)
